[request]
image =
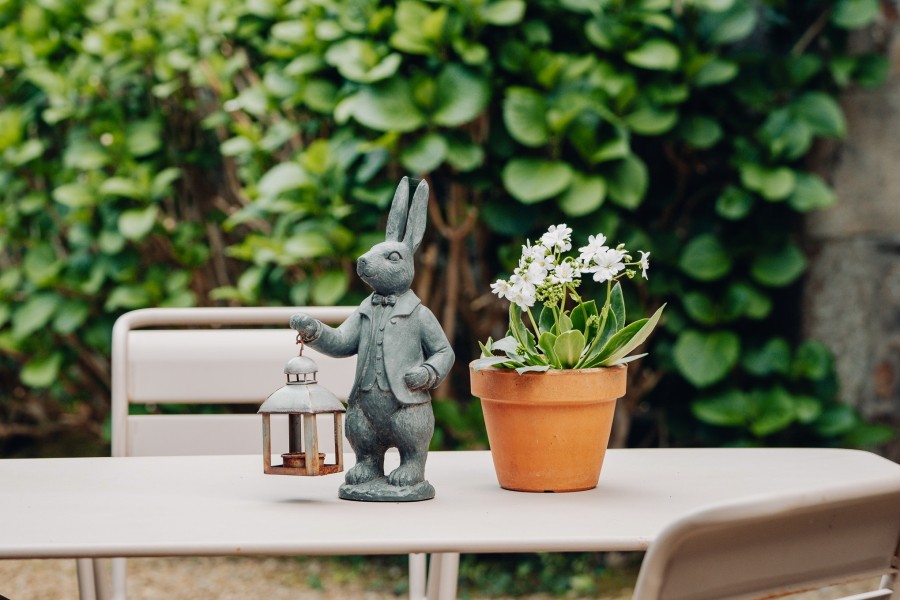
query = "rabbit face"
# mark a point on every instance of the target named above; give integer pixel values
(387, 268)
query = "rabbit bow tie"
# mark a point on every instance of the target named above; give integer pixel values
(385, 300)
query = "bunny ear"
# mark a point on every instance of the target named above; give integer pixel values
(396, 223)
(418, 216)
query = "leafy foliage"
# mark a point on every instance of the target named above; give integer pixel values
(173, 153)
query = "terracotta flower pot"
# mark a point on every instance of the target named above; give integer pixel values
(548, 431)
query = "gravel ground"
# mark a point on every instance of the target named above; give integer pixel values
(248, 578)
(219, 579)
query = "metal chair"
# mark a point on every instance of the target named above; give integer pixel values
(184, 355)
(767, 547)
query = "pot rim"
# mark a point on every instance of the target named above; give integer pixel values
(549, 372)
(556, 386)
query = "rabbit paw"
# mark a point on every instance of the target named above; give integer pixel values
(362, 472)
(418, 379)
(407, 474)
(305, 325)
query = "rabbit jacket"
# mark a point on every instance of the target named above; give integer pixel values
(413, 337)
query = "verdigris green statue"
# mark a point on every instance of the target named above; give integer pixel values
(402, 353)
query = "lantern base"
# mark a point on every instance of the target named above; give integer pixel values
(379, 490)
(297, 460)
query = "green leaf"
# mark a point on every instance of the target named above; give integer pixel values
(730, 26)
(599, 342)
(868, 435)
(359, 60)
(425, 154)
(580, 316)
(706, 358)
(121, 186)
(532, 369)
(33, 314)
(705, 258)
(614, 149)
(627, 182)
(655, 54)
(41, 265)
(628, 338)
(330, 287)
(715, 72)
(547, 343)
(821, 113)
(836, 421)
(143, 138)
(745, 300)
(70, 316)
(524, 114)
(734, 204)
(811, 193)
(772, 183)
(812, 361)
(307, 244)
(387, 106)
(568, 347)
(774, 412)
(780, 267)
(584, 196)
(617, 305)
(135, 224)
(281, 178)
(773, 357)
(464, 156)
(700, 308)
(41, 371)
(531, 180)
(649, 120)
(807, 408)
(730, 409)
(519, 331)
(461, 96)
(127, 297)
(853, 14)
(74, 195)
(700, 132)
(503, 12)
(547, 320)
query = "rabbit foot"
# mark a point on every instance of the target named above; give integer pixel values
(407, 474)
(362, 472)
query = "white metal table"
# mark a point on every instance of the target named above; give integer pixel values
(225, 505)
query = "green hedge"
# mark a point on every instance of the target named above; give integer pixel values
(172, 153)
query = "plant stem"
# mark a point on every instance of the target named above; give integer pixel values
(537, 330)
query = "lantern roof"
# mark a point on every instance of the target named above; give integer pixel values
(302, 398)
(300, 365)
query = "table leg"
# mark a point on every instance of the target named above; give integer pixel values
(442, 576)
(85, 573)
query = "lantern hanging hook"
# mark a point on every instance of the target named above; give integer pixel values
(300, 343)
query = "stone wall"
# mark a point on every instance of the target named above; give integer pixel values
(852, 294)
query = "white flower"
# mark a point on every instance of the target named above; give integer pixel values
(535, 274)
(501, 287)
(558, 237)
(564, 273)
(596, 245)
(608, 263)
(644, 262)
(523, 295)
(530, 252)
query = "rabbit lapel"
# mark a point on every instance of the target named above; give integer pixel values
(407, 330)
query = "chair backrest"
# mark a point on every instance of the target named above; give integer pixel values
(171, 355)
(763, 548)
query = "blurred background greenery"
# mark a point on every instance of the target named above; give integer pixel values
(243, 152)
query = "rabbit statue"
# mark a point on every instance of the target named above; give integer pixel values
(402, 353)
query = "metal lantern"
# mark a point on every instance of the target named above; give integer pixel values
(302, 399)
